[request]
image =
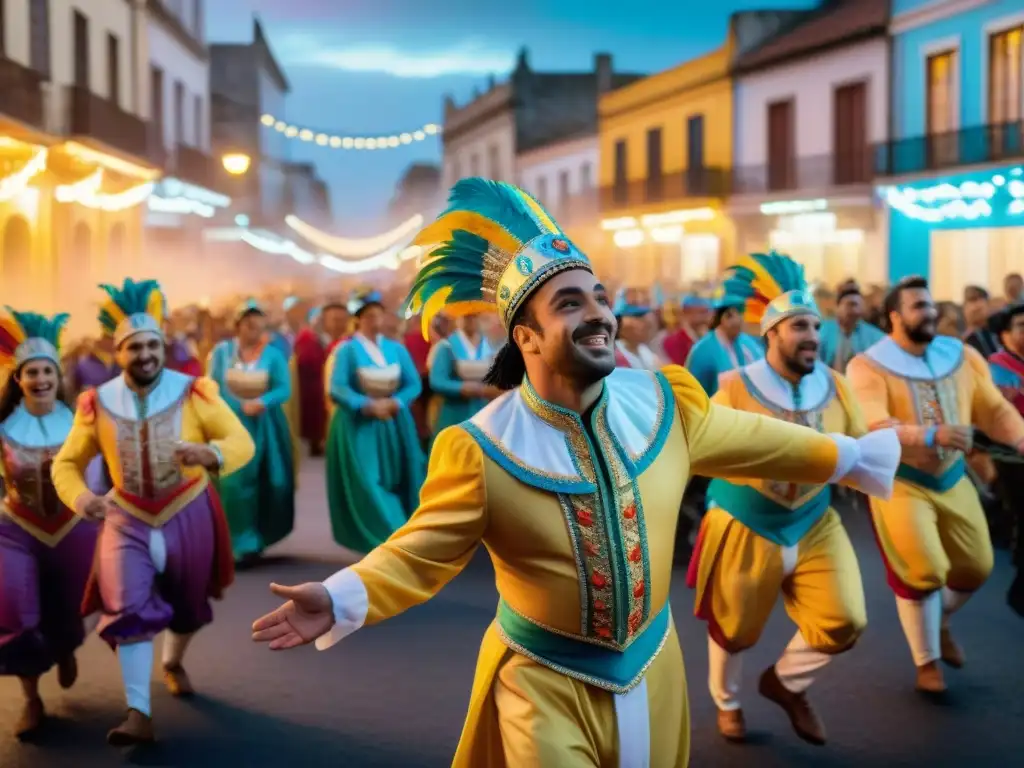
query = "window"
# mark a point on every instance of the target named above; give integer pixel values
(695, 142)
(156, 96)
(81, 50)
(1004, 84)
(942, 106)
(781, 146)
(586, 176)
(179, 113)
(113, 70)
(654, 164)
(197, 121)
(542, 190)
(494, 161)
(621, 188)
(849, 134)
(39, 36)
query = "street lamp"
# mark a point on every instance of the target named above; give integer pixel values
(236, 163)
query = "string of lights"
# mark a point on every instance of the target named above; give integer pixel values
(334, 140)
(355, 248)
(86, 192)
(13, 185)
(968, 201)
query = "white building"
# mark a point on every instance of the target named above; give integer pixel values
(561, 175)
(809, 105)
(480, 138)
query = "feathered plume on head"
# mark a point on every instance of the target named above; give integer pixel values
(493, 245)
(362, 298)
(135, 307)
(772, 287)
(28, 336)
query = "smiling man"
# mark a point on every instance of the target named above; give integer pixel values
(572, 480)
(165, 547)
(760, 539)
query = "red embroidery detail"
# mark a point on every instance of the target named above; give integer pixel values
(591, 549)
(604, 632)
(635, 620)
(598, 579)
(638, 590)
(635, 554)
(585, 517)
(600, 606)
(560, 245)
(629, 512)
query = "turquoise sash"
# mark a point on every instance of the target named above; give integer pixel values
(768, 518)
(610, 670)
(937, 483)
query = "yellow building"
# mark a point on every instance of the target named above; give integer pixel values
(665, 157)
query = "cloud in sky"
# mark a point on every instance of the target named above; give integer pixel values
(470, 57)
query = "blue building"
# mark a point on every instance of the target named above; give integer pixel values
(952, 177)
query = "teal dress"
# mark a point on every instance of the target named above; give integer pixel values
(259, 499)
(374, 468)
(712, 356)
(455, 362)
(836, 349)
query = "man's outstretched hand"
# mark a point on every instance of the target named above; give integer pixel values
(308, 614)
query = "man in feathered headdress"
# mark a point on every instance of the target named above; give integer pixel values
(763, 538)
(572, 479)
(727, 347)
(933, 533)
(165, 548)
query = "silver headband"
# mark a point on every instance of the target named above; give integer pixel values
(35, 349)
(140, 322)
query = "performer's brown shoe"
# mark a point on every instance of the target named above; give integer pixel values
(802, 717)
(952, 653)
(32, 716)
(930, 679)
(177, 681)
(67, 671)
(136, 729)
(732, 725)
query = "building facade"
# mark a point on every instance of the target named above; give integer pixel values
(953, 174)
(811, 102)
(75, 148)
(665, 146)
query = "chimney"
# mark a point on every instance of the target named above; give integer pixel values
(522, 61)
(449, 104)
(603, 71)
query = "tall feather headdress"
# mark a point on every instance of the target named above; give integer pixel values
(28, 336)
(493, 245)
(772, 287)
(135, 307)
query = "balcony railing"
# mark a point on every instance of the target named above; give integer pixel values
(195, 166)
(968, 146)
(819, 172)
(669, 187)
(21, 93)
(91, 115)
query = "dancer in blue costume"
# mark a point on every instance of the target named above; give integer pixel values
(375, 465)
(726, 347)
(457, 371)
(846, 335)
(254, 379)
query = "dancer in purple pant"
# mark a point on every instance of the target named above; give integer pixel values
(46, 551)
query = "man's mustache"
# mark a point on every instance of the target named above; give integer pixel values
(808, 346)
(592, 329)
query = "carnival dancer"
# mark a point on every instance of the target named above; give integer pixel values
(165, 547)
(296, 316)
(847, 334)
(693, 324)
(631, 350)
(254, 380)
(375, 465)
(727, 347)
(572, 480)
(760, 539)
(1007, 326)
(457, 372)
(310, 359)
(97, 366)
(46, 551)
(933, 535)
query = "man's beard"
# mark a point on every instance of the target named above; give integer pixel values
(922, 333)
(577, 366)
(796, 366)
(143, 379)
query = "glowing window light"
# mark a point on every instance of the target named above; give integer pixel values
(172, 187)
(677, 217)
(625, 222)
(354, 248)
(628, 238)
(669, 234)
(86, 192)
(967, 201)
(13, 185)
(110, 162)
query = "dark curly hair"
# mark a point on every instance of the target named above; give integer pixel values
(509, 368)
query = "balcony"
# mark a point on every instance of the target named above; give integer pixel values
(21, 93)
(699, 183)
(997, 143)
(196, 167)
(95, 117)
(804, 173)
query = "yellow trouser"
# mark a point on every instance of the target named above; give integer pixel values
(741, 574)
(931, 540)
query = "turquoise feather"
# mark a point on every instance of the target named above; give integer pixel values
(132, 298)
(36, 326)
(499, 202)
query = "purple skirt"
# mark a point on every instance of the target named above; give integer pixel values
(41, 590)
(152, 579)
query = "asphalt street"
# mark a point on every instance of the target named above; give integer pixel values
(395, 695)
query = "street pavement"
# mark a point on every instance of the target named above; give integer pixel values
(395, 695)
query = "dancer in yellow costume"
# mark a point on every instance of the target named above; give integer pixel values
(761, 538)
(572, 480)
(932, 532)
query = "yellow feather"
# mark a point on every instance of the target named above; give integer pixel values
(155, 305)
(433, 306)
(114, 311)
(546, 221)
(441, 231)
